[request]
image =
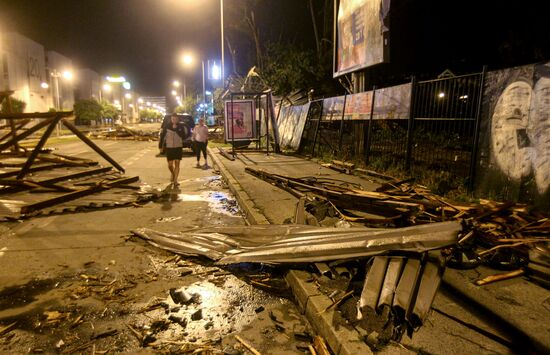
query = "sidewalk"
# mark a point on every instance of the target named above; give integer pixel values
(515, 310)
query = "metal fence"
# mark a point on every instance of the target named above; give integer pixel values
(440, 133)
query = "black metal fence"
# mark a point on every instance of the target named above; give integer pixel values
(439, 134)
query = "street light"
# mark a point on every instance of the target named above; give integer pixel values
(221, 29)
(106, 88)
(67, 75)
(188, 60)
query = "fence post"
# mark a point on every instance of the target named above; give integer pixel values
(410, 126)
(317, 129)
(473, 157)
(342, 124)
(369, 128)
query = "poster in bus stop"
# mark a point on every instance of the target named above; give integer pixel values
(240, 120)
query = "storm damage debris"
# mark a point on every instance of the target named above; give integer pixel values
(296, 243)
(56, 181)
(505, 235)
(403, 289)
(125, 133)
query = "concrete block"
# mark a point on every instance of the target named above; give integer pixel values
(354, 347)
(331, 326)
(302, 290)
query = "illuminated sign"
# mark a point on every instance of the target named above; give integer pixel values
(115, 79)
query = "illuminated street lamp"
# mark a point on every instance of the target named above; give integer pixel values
(44, 85)
(106, 88)
(221, 29)
(67, 75)
(176, 84)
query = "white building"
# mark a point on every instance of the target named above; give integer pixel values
(23, 70)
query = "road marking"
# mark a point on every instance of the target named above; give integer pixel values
(40, 223)
(137, 156)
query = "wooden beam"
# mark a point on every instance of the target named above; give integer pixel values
(18, 127)
(22, 185)
(19, 116)
(77, 194)
(36, 150)
(78, 175)
(86, 140)
(25, 134)
(32, 170)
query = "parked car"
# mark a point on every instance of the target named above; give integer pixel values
(187, 121)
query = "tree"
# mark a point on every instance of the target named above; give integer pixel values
(108, 110)
(17, 106)
(288, 68)
(187, 105)
(87, 111)
(218, 101)
(149, 115)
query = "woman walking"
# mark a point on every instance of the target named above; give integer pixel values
(172, 140)
(200, 137)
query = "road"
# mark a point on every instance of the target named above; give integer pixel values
(81, 282)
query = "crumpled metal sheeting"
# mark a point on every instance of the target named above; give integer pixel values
(297, 243)
(210, 245)
(351, 244)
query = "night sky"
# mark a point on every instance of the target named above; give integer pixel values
(141, 39)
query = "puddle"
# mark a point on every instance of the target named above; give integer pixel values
(216, 310)
(218, 201)
(223, 203)
(21, 295)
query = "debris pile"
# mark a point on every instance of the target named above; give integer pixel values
(57, 183)
(502, 235)
(125, 133)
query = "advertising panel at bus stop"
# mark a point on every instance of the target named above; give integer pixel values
(240, 120)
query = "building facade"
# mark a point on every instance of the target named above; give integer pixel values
(23, 70)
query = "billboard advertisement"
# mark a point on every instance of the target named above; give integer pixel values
(362, 35)
(291, 125)
(240, 120)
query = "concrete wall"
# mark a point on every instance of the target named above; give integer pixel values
(57, 62)
(514, 161)
(23, 70)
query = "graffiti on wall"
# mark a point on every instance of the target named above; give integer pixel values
(520, 126)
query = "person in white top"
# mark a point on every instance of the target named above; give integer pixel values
(200, 137)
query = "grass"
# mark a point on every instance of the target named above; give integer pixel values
(441, 182)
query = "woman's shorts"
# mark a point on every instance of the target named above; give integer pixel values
(173, 154)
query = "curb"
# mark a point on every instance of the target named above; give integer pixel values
(246, 203)
(342, 339)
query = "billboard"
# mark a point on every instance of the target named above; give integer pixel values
(361, 35)
(240, 120)
(291, 125)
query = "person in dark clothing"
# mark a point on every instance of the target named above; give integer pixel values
(172, 141)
